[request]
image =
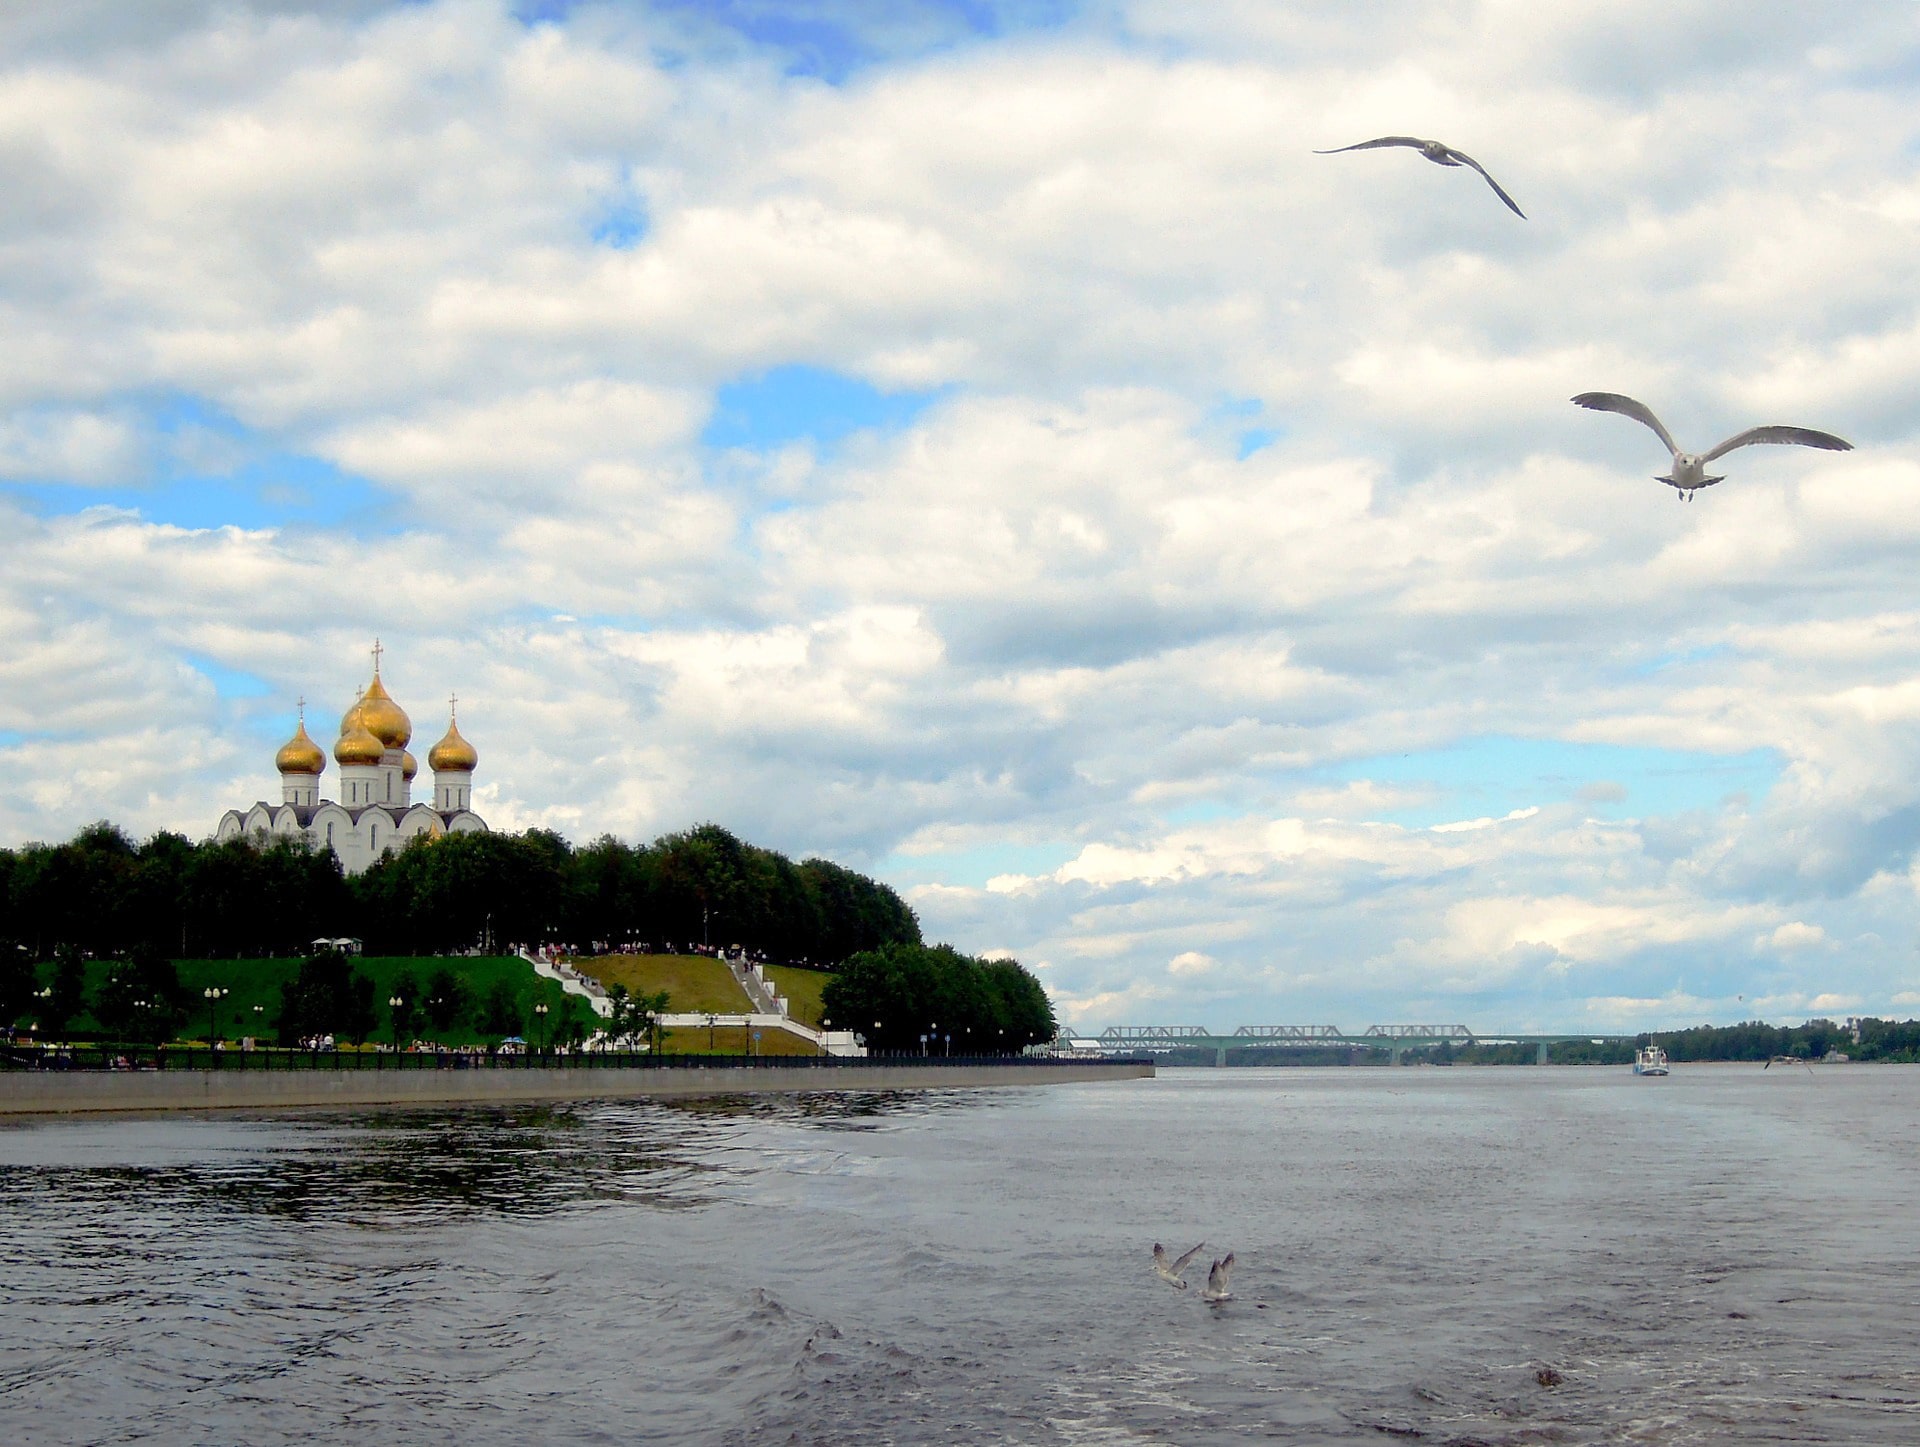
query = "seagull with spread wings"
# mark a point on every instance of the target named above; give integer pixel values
(1216, 1289)
(1168, 1269)
(1689, 471)
(1440, 153)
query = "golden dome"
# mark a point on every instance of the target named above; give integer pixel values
(409, 765)
(384, 718)
(300, 754)
(453, 753)
(358, 746)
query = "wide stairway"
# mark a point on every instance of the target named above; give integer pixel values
(767, 1007)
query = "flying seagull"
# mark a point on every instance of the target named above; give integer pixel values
(1440, 153)
(1216, 1289)
(1789, 1060)
(1168, 1270)
(1689, 472)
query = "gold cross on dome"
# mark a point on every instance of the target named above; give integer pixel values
(303, 709)
(453, 706)
(377, 651)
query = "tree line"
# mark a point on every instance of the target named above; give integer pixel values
(103, 895)
(1888, 1040)
(908, 998)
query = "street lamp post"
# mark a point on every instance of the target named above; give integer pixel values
(710, 1023)
(395, 1004)
(541, 1011)
(213, 995)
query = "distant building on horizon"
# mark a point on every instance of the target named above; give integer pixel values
(376, 813)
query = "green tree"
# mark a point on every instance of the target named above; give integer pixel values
(500, 1011)
(67, 994)
(447, 1000)
(636, 1015)
(404, 988)
(18, 981)
(142, 1000)
(327, 997)
(897, 994)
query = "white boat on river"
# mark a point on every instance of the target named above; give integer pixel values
(1649, 1060)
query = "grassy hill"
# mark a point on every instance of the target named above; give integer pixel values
(695, 984)
(254, 993)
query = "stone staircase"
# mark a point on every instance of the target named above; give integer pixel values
(768, 1012)
(573, 982)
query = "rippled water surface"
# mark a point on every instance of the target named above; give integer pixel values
(1452, 1256)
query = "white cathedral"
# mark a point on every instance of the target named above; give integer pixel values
(376, 813)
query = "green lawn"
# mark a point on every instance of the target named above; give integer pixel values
(254, 994)
(695, 984)
(732, 1040)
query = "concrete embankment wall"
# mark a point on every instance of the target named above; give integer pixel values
(61, 1092)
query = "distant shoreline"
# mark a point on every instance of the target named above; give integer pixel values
(51, 1092)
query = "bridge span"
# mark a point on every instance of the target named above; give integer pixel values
(1394, 1039)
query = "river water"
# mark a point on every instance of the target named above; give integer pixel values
(1459, 1256)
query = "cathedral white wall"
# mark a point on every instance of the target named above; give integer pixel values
(452, 791)
(375, 814)
(359, 785)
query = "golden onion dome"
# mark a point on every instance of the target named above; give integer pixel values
(384, 718)
(409, 765)
(453, 754)
(358, 746)
(300, 754)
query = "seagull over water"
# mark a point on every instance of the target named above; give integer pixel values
(1438, 152)
(1216, 1289)
(1689, 472)
(1169, 1269)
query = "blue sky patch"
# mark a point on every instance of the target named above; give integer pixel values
(789, 403)
(229, 683)
(972, 868)
(833, 40)
(1492, 777)
(622, 222)
(207, 470)
(1679, 657)
(1239, 418)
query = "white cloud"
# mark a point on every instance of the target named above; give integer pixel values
(1058, 610)
(1797, 935)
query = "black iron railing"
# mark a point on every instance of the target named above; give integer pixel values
(149, 1058)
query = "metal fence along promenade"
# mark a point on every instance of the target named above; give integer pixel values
(178, 1058)
(189, 1080)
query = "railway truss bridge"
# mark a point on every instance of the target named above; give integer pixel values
(1394, 1039)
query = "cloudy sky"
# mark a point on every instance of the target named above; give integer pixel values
(982, 444)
